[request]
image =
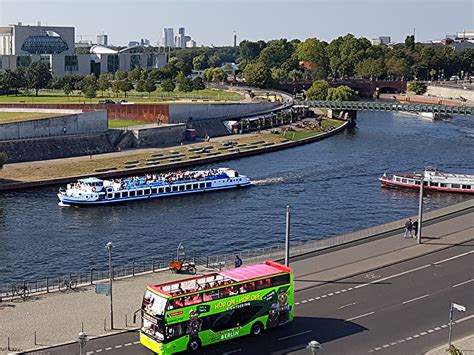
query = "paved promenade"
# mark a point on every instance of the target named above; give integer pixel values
(58, 318)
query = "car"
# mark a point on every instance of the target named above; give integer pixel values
(107, 102)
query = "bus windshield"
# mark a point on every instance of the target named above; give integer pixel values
(154, 304)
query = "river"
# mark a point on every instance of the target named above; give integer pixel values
(331, 186)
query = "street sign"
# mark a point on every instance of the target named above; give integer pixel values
(102, 289)
(459, 307)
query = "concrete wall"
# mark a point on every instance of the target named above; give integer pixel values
(160, 136)
(450, 93)
(179, 113)
(80, 123)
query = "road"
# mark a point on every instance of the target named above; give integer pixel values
(398, 309)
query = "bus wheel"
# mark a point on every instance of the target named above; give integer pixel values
(194, 344)
(256, 328)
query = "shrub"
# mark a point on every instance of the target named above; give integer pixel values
(3, 159)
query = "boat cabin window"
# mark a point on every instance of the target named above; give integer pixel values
(468, 187)
(442, 185)
(117, 195)
(132, 193)
(154, 190)
(208, 184)
(195, 186)
(397, 179)
(139, 192)
(189, 187)
(110, 195)
(201, 185)
(181, 187)
(160, 190)
(175, 188)
(455, 186)
(167, 189)
(417, 182)
(425, 183)
(125, 194)
(146, 191)
(404, 180)
(433, 183)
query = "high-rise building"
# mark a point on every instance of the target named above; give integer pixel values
(103, 40)
(235, 39)
(168, 37)
(191, 44)
(181, 38)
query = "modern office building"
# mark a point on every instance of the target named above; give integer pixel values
(22, 45)
(191, 43)
(103, 40)
(168, 37)
(381, 40)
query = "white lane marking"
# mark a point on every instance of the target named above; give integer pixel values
(232, 351)
(311, 300)
(304, 301)
(107, 349)
(392, 276)
(98, 350)
(324, 296)
(463, 283)
(128, 344)
(331, 294)
(297, 303)
(89, 352)
(453, 257)
(295, 335)
(414, 336)
(337, 292)
(357, 317)
(416, 299)
(118, 346)
(347, 305)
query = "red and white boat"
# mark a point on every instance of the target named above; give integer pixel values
(432, 180)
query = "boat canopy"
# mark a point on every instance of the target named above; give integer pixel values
(91, 180)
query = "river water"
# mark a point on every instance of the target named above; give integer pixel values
(331, 186)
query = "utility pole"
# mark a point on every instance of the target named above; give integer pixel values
(109, 247)
(420, 211)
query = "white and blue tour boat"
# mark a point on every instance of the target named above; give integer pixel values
(94, 191)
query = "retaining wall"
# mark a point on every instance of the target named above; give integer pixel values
(85, 122)
(158, 136)
(450, 93)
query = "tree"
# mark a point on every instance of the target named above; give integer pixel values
(251, 50)
(38, 76)
(433, 73)
(200, 62)
(397, 67)
(198, 84)
(135, 74)
(184, 84)
(167, 85)
(318, 91)
(104, 82)
(149, 86)
(418, 87)
(341, 93)
(257, 74)
(3, 159)
(116, 87)
(410, 42)
(120, 75)
(314, 51)
(140, 86)
(370, 68)
(279, 74)
(125, 86)
(89, 86)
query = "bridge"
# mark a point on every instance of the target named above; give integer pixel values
(389, 106)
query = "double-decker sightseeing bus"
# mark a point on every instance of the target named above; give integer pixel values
(190, 313)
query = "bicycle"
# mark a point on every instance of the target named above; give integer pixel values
(67, 283)
(22, 291)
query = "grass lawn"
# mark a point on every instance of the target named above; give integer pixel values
(306, 133)
(125, 123)
(8, 117)
(50, 96)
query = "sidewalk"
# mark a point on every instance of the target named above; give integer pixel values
(58, 318)
(466, 346)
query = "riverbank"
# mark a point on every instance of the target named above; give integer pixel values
(132, 162)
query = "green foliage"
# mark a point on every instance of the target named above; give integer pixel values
(410, 42)
(318, 91)
(418, 87)
(276, 53)
(279, 74)
(104, 82)
(200, 62)
(257, 74)
(135, 74)
(184, 84)
(341, 93)
(122, 85)
(370, 68)
(314, 51)
(38, 76)
(214, 75)
(167, 85)
(3, 159)
(89, 86)
(120, 75)
(140, 86)
(251, 50)
(149, 86)
(198, 84)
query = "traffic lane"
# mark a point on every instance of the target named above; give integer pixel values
(125, 340)
(399, 282)
(400, 321)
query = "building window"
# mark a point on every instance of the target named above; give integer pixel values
(71, 63)
(23, 61)
(135, 61)
(112, 63)
(48, 42)
(150, 61)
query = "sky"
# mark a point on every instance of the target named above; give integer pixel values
(214, 21)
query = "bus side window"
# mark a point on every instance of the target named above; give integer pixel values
(281, 280)
(260, 284)
(251, 286)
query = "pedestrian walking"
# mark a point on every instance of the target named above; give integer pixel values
(408, 229)
(415, 229)
(238, 261)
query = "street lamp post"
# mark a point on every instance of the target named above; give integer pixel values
(287, 237)
(82, 340)
(109, 247)
(454, 306)
(420, 211)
